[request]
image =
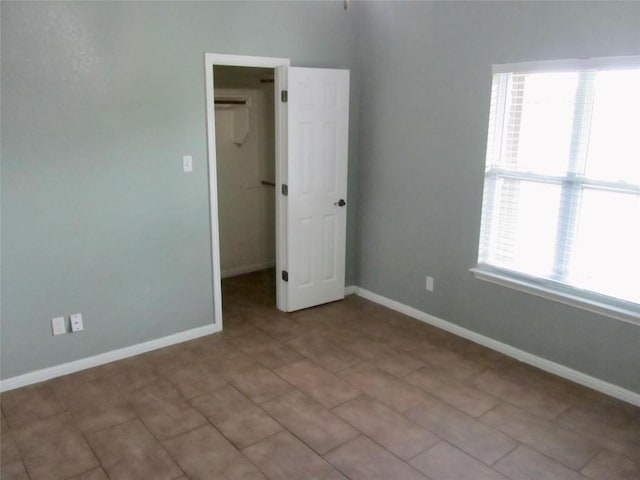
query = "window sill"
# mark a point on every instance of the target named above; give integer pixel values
(618, 311)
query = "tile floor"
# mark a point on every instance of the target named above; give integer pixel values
(345, 390)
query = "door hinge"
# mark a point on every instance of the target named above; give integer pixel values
(285, 189)
(284, 96)
(285, 275)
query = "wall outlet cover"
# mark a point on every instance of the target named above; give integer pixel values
(58, 326)
(429, 284)
(187, 163)
(76, 322)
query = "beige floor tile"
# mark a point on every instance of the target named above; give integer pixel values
(284, 457)
(607, 465)
(386, 427)
(397, 364)
(234, 329)
(53, 448)
(136, 375)
(13, 471)
(204, 454)
(530, 399)
(361, 459)
(211, 345)
(218, 353)
(432, 354)
(138, 401)
(97, 405)
(267, 351)
(465, 432)
(94, 474)
(249, 343)
(173, 354)
(378, 353)
(164, 411)
(239, 419)
(564, 391)
(129, 451)
(557, 442)
(229, 362)
(28, 404)
(485, 357)
(324, 352)
(526, 464)
(595, 418)
(618, 436)
(74, 381)
(634, 425)
(618, 440)
(257, 383)
(192, 379)
(385, 387)
(8, 450)
(446, 462)
(460, 368)
(318, 383)
(280, 327)
(136, 363)
(367, 348)
(470, 400)
(317, 426)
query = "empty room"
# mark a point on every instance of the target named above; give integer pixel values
(324, 239)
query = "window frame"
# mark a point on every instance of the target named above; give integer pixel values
(571, 184)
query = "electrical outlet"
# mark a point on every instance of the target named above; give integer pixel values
(76, 322)
(429, 284)
(57, 326)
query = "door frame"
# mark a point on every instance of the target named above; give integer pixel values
(279, 65)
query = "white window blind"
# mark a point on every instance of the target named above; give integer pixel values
(561, 206)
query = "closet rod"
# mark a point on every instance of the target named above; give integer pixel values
(230, 102)
(266, 182)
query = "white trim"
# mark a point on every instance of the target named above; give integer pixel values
(350, 290)
(233, 60)
(211, 59)
(256, 267)
(213, 191)
(571, 64)
(566, 298)
(526, 357)
(282, 163)
(102, 358)
(529, 358)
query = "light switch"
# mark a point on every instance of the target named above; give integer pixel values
(57, 326)
(187, 163)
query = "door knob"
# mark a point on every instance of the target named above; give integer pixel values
(340, 203)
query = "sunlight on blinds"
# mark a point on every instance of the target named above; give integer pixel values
(562, 186)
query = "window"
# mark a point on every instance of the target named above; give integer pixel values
(561, 207)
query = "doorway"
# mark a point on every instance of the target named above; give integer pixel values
(311, 109)
(275, 64)
(245, 152)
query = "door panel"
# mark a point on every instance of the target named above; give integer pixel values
(318, 121)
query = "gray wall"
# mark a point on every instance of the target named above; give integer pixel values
(425, 85)
(100, 100)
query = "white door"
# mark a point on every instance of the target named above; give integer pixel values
(316, 210)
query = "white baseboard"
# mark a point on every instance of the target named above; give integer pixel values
(526, 357)
(350, 289)
(256, 267)
(101, 359)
